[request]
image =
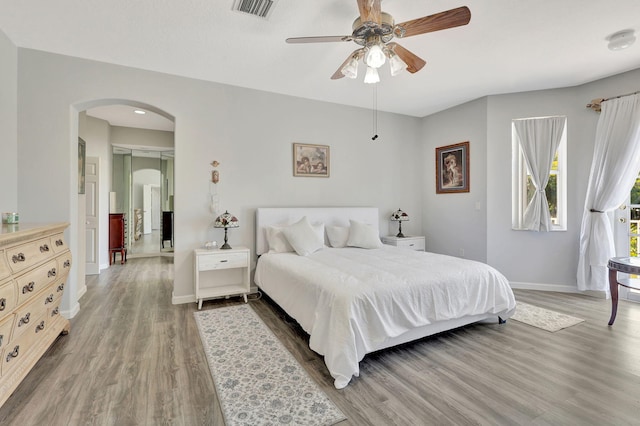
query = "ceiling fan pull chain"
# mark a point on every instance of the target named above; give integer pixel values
(375, 113)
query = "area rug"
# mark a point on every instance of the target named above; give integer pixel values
(258, 381)
(543, 318)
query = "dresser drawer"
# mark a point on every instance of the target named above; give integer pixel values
(58, 243)
(5, 271)
(6, 326)
(8, 298)
(221, 260)
(64, 264)
(34, 281)
(18, 347)
(26, 255)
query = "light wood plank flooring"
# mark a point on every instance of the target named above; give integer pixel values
(132, 358)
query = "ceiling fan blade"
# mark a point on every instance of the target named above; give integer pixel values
(369, 10)
(319, 39)
(414, 63)
(440, 21)
(338, 74)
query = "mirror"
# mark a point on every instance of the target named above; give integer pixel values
(143, 189)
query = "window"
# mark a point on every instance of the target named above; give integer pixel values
(523, 188)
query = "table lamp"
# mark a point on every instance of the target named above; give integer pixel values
(226, 220)
(399, 216)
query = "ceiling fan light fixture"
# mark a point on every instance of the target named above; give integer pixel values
(350, 70)
(374, 57)
(371, 76)
(396, 64)
(621, 40)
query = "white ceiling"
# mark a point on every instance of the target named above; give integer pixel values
(509, 45)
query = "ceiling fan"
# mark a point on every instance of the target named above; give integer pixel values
(374, 30)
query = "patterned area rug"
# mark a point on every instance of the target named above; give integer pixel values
(543, 318)
(257, 379)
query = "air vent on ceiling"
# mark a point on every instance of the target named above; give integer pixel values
(260, 8)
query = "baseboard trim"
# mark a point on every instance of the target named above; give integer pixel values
(82, 291)
(68, 314)
(178, 300)
(544, 287)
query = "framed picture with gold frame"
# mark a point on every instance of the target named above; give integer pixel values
(452, 168)
(311, 160)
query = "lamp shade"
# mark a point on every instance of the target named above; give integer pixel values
(400, 216)
(226, 220)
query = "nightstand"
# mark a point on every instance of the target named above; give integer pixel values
(413, 243)
(221, 273)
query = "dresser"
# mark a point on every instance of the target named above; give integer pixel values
(221, 273)
(413, 243)
(34, 265)
(117, 237)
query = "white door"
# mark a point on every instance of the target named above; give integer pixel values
(146, 209)
(92, 196)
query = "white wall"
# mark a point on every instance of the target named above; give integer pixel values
(133, 137)
(249, 132)
(453, 224)
(542, 260)
(8, 125)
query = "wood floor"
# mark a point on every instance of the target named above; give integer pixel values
(132, 358)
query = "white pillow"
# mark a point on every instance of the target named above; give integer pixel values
(363, 235)
(303, 238)
(338, 235)
(277, 241)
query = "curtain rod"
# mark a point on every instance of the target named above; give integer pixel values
(595, 103)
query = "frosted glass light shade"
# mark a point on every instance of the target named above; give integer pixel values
(396, 64)
(374, 57)
(351, 69)
(371, 76)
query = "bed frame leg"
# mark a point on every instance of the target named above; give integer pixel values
(501, 321)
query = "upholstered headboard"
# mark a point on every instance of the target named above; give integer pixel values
(336, 216)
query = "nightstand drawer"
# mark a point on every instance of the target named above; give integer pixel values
(221, 260)
(412, 243)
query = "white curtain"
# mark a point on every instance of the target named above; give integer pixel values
(539, 139)
(615, 166)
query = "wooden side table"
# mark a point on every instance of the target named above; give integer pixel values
(627, 265)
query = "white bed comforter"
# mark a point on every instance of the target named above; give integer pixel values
(350, 300)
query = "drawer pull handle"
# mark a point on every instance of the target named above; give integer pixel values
(44, 248)
(24, 320)
(55, 312)
(20, 257)
(13, 353)
(61, 287)
(28, 288)
(67, 263)
(48, 299)
(59, 243)
(223, 261)
(51, 273)
(40, 326)
(3, 304)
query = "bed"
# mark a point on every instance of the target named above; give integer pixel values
(353, 301)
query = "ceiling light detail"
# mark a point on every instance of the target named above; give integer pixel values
(375, 56)
(396, 64)
(621, 40)
(139, 111)
(371, 76)
(350, 70)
